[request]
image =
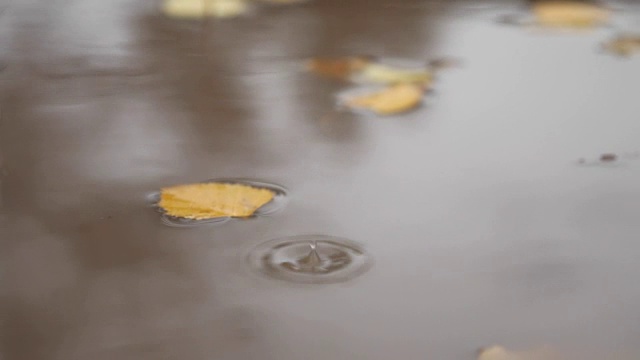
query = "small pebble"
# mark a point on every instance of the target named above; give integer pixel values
(608, 157)
(445, 63)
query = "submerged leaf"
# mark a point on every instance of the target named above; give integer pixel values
(386, 74)
(500, 353)
(391, 100)
(196, 9)
(212, 200)
(569, 14)
(368, 70)
(341, 68)
(624, 45)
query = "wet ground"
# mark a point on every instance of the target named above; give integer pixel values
(483, 227)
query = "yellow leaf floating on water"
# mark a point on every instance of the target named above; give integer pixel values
(385, 74)
(569, 14)
(500, 353)
(212, 200)
(340, 68)
(624, 45)
(391, 100)
(196, 9)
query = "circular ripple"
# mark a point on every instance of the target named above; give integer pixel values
(310, 259)
(276, 204)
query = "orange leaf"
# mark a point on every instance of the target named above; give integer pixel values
(624, 45)
(569, 14)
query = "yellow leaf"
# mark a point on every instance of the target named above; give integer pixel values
(212, 200)
(623, 45)
(204, 8)
(569, 14)
(391, 100)
(500, 353)
(385, 74)
(341, 68)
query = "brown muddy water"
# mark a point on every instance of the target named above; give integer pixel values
(480, 223)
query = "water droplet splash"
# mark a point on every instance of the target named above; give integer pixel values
(278, 202)
(310, 259)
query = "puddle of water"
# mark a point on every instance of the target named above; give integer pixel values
(311, 259)
(94, 65)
